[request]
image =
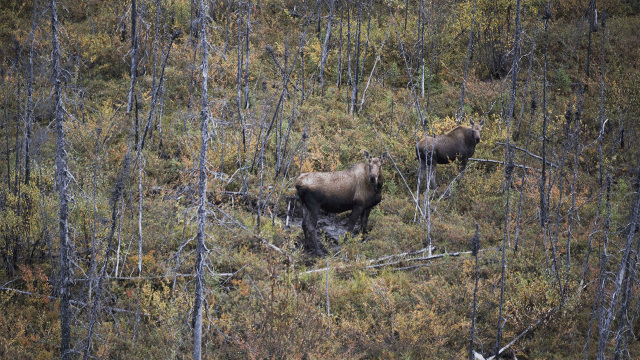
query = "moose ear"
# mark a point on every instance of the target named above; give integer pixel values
(472, 123)
(366, 154)
(383, 157)
(482, 122)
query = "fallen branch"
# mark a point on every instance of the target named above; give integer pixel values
(152, 277)
(239, 224)
(399, 261)
(502, 162)
(546, 316)
(529, 153)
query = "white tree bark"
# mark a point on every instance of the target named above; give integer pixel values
(202, 188)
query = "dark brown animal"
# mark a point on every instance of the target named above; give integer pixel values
(458, 144)
(358, 188)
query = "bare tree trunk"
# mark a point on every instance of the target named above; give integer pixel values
(624, 325)
(422, 21)
(349, 71)
(366, 44)
(7, 241)
(622, 273)
(116, 195)
(543, 179)
(406, 14)
(466, 64)
(29, 106)
(598, 302)
(602, 72)
(202, 187)
(6, 126)
(354, 94)
(526, 148)
(92, 260)
(339, 80)
(600, 143)
(323, 58)
(508, 170)
(475, 247)
(134, 54)
(156, 91)
(140, 162)
(226, 34)
(246, 54)
(63, 183)
(239, 77)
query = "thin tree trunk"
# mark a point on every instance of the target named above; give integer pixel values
(366, 44)
(339, 80)
(598, 302)
(600, 141)
(6, 126)
(543, 179)
(202, 187)
(140, 161)
(323, 58)
(349, 71)
(508, 171)
(226, 33)
(354, 94)
(239, 77)
(466, 64)
(608, 313)
(422, 21)
(134, 54)
(29, 109)
(115, 198)
(602, 72)
(526, 149)
(92, 260)
(623, 315)
(406, 14)
(246, 54)
(63, 183)
(156, 91)
(475, 247)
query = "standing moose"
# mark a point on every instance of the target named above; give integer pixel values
(358, 188)
(459, 143)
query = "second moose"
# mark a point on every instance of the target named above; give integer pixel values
(459, 143)
(358, 188)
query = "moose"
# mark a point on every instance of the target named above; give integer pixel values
(459, 143)
(358, 188)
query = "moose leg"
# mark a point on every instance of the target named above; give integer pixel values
(463, 164)
(364, 220)
(309, 222)
(355, 214)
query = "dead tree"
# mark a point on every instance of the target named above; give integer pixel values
(116, 195)
(134, 54)
(475, 247)
(466, 64)
(508, 171)
(607, 313)
(355, 75)
(543, 179)
(63, 184)
(202, 186)
(29, 106)
(323, 59)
